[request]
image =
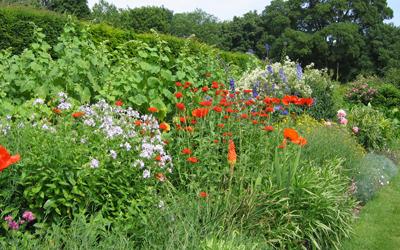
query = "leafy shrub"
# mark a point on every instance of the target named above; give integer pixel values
(375, 130)
(101, 159)
(388, 99)
(374, 171)
(326, 143)
(361, 93)
(392, 76)
(143, 77)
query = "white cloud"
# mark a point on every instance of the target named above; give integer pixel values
(223, 9)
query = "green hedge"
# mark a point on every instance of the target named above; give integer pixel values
(16, 33)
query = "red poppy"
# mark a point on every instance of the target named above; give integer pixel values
(138, 123)
(204, 89)
(186, 151)
(6, 159)
(158, 158)
(178, 84)
(249, 102)
(254, 122)
(164, 126)
(189, 129)
(178, 95)
(300, 141)
(78, 114)
(247, 91)
(192, 159)
(229, 110)
(269, 109)
(180, 106)
(182, 119)
(226, 117)
(200, 112)
(119, 103)
(214, 85)
(290, 134)
(215, 141)
(221, 125)
(268, 128)
(217, 109)
(206, 103)
(187, 85)
(194, 90)
(244, 116)
(286, 100)
(203, 194)
(193, 121)
(153, 110)
(227, 134)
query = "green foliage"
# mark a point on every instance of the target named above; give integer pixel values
(387, 100)
(375, 130)
(392, 76)
(144, 19)
(86, 164)
(78, 8)
(373, 172)
(326, 143)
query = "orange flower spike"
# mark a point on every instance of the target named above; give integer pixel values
(231, 155)
(6, 159)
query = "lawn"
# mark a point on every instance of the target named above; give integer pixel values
(379, 222)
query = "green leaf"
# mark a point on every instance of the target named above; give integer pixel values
(139, 99)
(153, 82)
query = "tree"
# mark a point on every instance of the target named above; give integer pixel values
(78, 8)
(104, 12)
(203, 25)
(145, 18)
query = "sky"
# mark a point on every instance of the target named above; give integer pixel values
(223, 9)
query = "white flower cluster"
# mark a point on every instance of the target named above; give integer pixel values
(279, 79)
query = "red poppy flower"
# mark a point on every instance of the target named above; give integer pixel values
(180, 106)
(290, 134)
(192, 159)
(204, 89)
(187, 85)
(231, 95)
(194, 90)
(217, 109)
(200, 112)
(227, 134)
(221, 125)
(254, 122)
(186, 151)
(178, 84)
(203, 194)
(206, 103)
(300, 141)
(244, 116)
(158, 158)
(268, 128)
(269, 109)
(182, 119)
(249, 102)
(189, 129)
(178, 95)
(78, 114)
(247, 91)
(6, 159)
(119, 103)
(138, 123)
(193, 121)
(153, 110)
(214, 85)
(229, 110)
(215, 141)
(164, 126)
(226, 117)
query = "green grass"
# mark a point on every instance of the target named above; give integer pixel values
(379, 223)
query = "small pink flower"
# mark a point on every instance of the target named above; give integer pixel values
(341, 114)
(13, 225)
(356, 130)
(21, 222)
(8, 218)
(28, 215)
(343, 121)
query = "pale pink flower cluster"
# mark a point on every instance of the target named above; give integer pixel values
(341, 115)
(27, 217)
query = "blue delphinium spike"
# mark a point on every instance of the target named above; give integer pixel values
(255, 87)
(270, 70)
(299, 71)
(232, 85)
(282, 75)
